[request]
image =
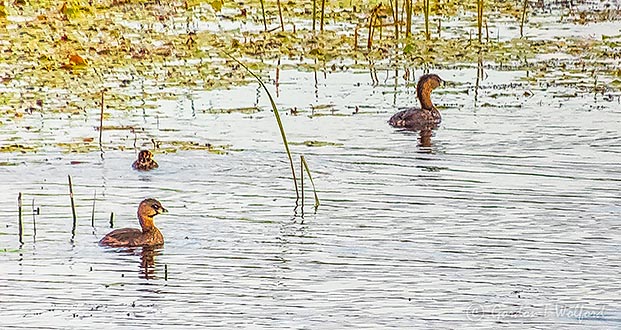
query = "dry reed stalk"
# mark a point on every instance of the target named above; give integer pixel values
(263, 12)
(426, 12)
(75, 218)
(34, 220)
(282, 24)
(523, 18)
(101, 115)
(408, 17)
(480, 18)
(20, 224)
(93, 210)
(323, 9)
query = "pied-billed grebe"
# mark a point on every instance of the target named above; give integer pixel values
(427, 116)
(145, 161)
(148, 236)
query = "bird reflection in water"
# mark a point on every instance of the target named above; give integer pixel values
(424, 137)
(147, 256)
(147, 262)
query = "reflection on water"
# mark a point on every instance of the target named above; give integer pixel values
(147, 260)
(423, 135)
(509, 216)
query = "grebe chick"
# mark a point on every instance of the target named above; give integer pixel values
(145, 161)
(130, 237)
(425, 117)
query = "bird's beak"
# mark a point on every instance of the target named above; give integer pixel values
(163, 210)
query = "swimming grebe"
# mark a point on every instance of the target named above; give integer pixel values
(148, 236)
(425, 117)
(145, 161)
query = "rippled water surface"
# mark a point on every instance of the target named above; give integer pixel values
(509, 218)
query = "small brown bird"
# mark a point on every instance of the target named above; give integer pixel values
(145, 161)
(425, 117)
(130, 237)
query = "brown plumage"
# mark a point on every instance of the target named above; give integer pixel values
(148, 236)
(145, 161)
(425, 117)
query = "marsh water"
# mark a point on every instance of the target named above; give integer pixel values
(510, 216)
(507, 217)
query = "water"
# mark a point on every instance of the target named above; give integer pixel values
(509, 217)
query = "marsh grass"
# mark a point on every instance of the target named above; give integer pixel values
(323, 10)
(480, 18)
(302, 181)
(101, 116)
(75, 218)
(20, 223)
(93, 209)
(314, 14)
(426, 12)
(523, 18)
(396, 18)
(310, 177)
(35, 212)
(282, 24)
(373, 19)
(408, 18)
(263, 14)
(278, 121)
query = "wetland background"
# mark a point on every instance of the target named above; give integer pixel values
(510, 217)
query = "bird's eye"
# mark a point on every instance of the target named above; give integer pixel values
(155, 206)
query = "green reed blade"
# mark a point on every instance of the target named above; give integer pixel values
(277, 115)
(310, 177)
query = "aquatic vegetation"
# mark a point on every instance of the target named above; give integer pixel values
(244, 110)
(310, 177)
(317, 144)
(278, 121)
(17, 148)
(59, 57)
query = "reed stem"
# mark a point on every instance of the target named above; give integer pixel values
(20, 223)
(314, 13)
(278, 121)
(523, 18)
(282, 24)
(396, 14)
(310, 177)
(372, 19)
(426, 12)
(263, 12)
(480, 18)
(323, 8)
(101, 116)
(75, 219)
(302, 179)
(34, 220)
(111, 219)
(93, 210)
(408, 17)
